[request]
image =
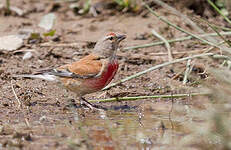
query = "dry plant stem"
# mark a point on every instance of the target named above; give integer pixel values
(116, 99)
(63, 1)
(178, 53)
(177, 75)
(156, 67)
(170, 112)
(211, 48)
(15, 95)
(27, 122)
(222, 28)
(8, 6)
(187, 71)
(24, 50)
(74, 45)
(222, 37)
(49, 44)
(175, 40)
(221, 57)
(167, 45)
(218, 10)
(182, 30)
(184, 17)
(178, 28)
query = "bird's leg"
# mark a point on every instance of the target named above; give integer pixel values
(91, 106)
(88, 104)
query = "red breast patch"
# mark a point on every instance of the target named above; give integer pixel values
(111, 34)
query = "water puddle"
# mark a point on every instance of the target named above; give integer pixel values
(153, 126)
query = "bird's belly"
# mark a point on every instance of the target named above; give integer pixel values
(86, 86)
(104, 79)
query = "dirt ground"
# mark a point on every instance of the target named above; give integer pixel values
(51, 117)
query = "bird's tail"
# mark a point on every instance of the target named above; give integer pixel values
(47, 77)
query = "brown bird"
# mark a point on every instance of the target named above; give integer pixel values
(91, 73)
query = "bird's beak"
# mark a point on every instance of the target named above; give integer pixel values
(121, 37)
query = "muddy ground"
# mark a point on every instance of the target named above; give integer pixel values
(51, 117)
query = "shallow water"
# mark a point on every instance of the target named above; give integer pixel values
(147, 126)
(159, 127)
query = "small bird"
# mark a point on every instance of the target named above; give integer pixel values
(91, 73)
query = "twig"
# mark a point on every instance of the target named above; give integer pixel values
(170, 58)
(116, 99)
(177, 75)
(182, 30)
(187, 71)
(151, 56)
(177, 53)
(180, 53)
(156, 67)
(184, 17)
(175, 40)
(211, 48)
(15, 95)
(218, 10)
(222, 28)
(8, 6)
(62, 1)
(222, 57)
(49, 44)
(170, 112)
(27, 123)
(178, 28)
(214, 28)
(222, 37)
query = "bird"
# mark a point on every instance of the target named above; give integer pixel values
(89, 74)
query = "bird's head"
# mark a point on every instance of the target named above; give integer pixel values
(108, 45)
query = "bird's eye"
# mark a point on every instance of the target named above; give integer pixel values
(111, 38)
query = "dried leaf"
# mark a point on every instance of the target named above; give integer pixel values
(47, 21)
(17, 10)
(10, 42)
(25, 33)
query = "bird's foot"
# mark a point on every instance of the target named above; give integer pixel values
(91, 106)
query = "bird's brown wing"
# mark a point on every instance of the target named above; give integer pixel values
(88, 66)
